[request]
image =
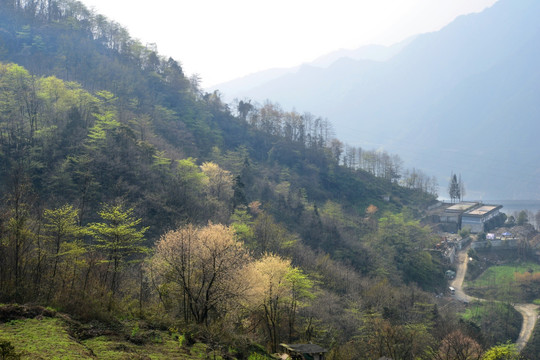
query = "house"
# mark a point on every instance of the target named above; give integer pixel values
(451, 217)
(480, 219)
(303, 351)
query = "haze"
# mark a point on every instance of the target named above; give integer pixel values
(224, 40)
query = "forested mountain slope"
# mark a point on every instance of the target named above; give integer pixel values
(128, 194)
(86, 79)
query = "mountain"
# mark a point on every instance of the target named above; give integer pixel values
(462, 99)
(232, 89)
(161, 223)
(367, 52)
(94, 100)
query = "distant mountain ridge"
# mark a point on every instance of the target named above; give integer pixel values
(367, 52)
(462, 99)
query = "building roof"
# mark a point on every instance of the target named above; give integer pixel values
(483, 210)
(462, 206)
(304, 348)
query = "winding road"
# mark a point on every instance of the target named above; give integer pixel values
(528, 311)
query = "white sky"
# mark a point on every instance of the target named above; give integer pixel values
(221, 40)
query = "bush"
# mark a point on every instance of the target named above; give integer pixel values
(464, 232)
(257, 356)
(7, 351)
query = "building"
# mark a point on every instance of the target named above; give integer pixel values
(451, 216)
(303, 351)
(480, 219)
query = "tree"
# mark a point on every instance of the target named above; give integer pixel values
(396, 341)
(522, 218)
(401, 240)
(203, 268)
(270, 236)
(456, 346)
(502, 352)
(336, 149)
(16, 241)
(244, 108)
(454, 188)
(461, 187)
(278, 291)
(119, 238)
(60, 225)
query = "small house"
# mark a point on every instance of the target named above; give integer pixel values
(451, 217)
(303, 351)
(477, 219)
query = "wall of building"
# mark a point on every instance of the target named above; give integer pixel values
(475, 224)
(496, 244)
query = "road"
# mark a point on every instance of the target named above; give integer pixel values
(528, 311)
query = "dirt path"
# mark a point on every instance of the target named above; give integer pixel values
(457, 283)
(528, 311)
(530, 315)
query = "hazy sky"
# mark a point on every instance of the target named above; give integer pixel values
(225, 39)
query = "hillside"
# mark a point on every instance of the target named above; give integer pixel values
(151, 211)
(460, 99)
(95, 100)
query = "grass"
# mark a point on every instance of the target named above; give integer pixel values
(497, 282)
(43, 338)
(116, 348)
(40, 333)
(48, 338)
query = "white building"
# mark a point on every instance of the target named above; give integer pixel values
(476, 219)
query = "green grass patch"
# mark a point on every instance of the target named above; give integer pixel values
(48, 338)
(498, 282)
(42, 338)
(198, 350)
(117, 348)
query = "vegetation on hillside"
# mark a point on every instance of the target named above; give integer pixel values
(128, 194)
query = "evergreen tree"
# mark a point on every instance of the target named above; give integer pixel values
(454, 188)
(118, 238)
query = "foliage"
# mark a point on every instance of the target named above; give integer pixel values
(502, 352)
(499, 322)
(100, 134)
(396, 341)
(456, 188)
(457, 346)
(522, 218)
(403, 240)
(202, 269)
(278, 290)
(118, 238)
(465, 232)
(7, 351)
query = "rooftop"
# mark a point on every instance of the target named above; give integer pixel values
(462, 206)
(483, 210)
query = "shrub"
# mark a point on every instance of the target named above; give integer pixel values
(7, 351)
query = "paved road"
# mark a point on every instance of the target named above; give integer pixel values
(528, 311)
